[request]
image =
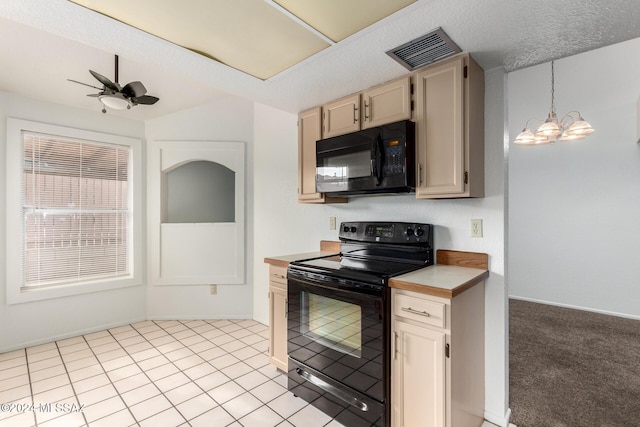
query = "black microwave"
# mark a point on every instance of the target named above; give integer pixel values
(371, 161)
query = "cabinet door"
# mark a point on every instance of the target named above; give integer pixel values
(309, 131)
(278, 326)
(341, 116)
(440, 130)
(418, 376)
(387, 103)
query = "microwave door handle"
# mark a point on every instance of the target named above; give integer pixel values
(377, 162)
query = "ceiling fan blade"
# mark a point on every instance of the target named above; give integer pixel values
(80, 83)
(105, 81)
(95, 95)
(145, 100)
(134, 90)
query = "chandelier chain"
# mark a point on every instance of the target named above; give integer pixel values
(553, 89)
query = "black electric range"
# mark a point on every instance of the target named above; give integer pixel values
(338, 323)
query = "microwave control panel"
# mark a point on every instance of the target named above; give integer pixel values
(394, 157)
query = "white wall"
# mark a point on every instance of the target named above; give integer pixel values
(283, 226)
(32, 323)
(229, 119)
(574, 208)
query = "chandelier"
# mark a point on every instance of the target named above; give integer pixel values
(570, 128)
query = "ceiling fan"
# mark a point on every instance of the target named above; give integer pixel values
(117, 97)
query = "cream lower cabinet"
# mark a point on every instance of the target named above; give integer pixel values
(278, 317)
(418, 376)
(437, 361)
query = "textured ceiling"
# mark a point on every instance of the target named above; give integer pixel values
(44, 42)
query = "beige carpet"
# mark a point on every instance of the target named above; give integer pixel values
(572, 368)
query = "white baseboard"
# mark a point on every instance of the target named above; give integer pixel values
(493, 420)
(197, 317)
(75, 333)
(576, 307)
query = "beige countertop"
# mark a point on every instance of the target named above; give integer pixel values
(284, 260)
(453, 273)
(327, 248)
(440, 280)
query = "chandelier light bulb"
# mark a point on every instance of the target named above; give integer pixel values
(580, 127)
(525, 137)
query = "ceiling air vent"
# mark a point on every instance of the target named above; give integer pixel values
(424, 50)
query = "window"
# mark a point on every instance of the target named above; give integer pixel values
(74, 224)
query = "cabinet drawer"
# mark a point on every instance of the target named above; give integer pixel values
(278, 274)
(420, 310)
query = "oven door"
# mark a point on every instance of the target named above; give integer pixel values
(336, 345)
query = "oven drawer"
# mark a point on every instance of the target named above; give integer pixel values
(419, 309)
(278, 274)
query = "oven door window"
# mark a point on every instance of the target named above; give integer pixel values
(339, 332)
(333, 323)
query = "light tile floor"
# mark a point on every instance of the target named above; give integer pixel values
(154, 373)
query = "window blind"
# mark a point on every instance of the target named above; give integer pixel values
(75, 209)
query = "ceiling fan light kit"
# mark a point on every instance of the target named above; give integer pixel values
(114, 101)
(571, 127)
(116, 97)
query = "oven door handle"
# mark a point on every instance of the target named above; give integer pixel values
(345, 397)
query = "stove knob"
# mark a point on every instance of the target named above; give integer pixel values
(409, 232)
(353, 229)
(419, 232)
(345, 229)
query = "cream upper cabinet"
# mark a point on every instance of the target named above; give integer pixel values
(310, 131)
(437, 359)
(450, 129)
(341, 116)
(278, 317)
(387, 103)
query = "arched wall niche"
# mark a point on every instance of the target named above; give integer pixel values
(210, 196)
(193, 241)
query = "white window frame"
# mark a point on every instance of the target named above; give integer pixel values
(15, 238)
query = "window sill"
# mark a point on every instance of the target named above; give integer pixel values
(17, 296)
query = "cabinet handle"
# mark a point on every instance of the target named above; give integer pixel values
(280, 276)
(366, 113)
(286, 308)
(355, 114)
(419, 174)
(395, 345)
(411, 310)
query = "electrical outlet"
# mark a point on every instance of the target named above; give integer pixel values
(332, 223)
(476, 228)
(213, 290)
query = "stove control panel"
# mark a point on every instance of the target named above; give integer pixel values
(387, 232)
